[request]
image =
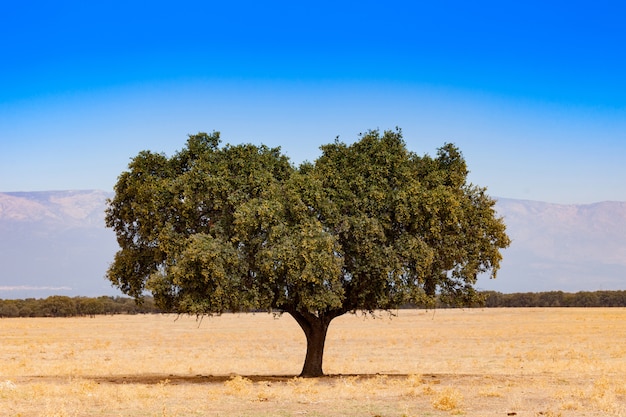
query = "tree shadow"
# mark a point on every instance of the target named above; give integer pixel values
(153, 379)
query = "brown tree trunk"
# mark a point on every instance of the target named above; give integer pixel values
(315, 329)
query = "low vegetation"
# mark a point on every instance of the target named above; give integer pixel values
(477, 362)
(556, 299)
(62, 306)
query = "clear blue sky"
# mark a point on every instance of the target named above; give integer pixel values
(534, 93)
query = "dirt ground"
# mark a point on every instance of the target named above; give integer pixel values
(487, 362)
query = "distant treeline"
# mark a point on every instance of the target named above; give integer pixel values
(62, 306)
(556, 299)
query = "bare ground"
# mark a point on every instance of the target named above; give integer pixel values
(504, 362)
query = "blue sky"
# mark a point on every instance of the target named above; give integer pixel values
(534, 93)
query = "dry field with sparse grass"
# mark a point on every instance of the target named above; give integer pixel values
(479, 362)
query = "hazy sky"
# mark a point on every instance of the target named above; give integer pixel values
(534, 95)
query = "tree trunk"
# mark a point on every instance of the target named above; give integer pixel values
(315, 329)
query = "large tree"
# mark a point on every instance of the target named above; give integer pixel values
(367, 226)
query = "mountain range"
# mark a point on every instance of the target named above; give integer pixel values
(56, 242)
(562, 247)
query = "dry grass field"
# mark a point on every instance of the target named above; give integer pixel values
(479, 362)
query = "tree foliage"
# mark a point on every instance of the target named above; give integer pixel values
(366, 226)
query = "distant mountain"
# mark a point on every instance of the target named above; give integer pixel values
(562, 247)
(55, 242)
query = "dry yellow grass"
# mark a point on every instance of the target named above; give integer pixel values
(491, 362)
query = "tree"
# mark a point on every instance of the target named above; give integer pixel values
(367, 226)
(58, 306)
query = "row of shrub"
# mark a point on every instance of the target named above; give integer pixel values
(63, 306)
(556, 299)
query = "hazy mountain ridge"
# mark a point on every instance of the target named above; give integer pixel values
(54, 242)
(562, 247)
(592, 231)
(57, 242)
(84, 208)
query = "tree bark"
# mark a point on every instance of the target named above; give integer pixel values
(315, 328)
